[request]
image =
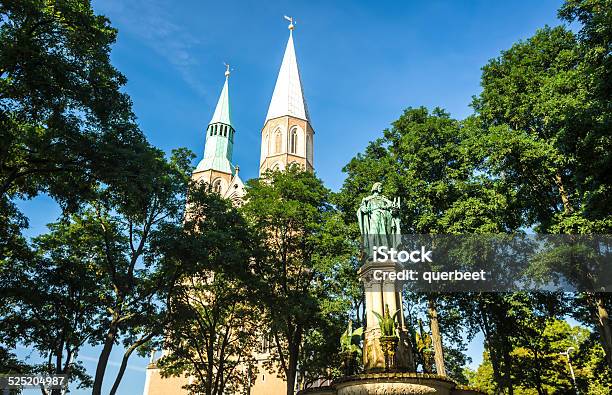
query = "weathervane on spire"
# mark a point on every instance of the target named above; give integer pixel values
(291, 24)
(227, 70)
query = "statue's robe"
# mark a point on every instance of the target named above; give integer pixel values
(377, 223)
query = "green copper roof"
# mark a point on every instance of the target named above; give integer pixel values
(219, 164)
(222, 111)
(219, 136)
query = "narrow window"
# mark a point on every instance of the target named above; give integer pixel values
(293, 137)
(277, 142)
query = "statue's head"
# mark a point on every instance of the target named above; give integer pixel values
(377, 187)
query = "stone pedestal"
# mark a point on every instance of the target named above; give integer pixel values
(378, 294)
(393, 384)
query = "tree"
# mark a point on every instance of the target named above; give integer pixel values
(129, 221)
(212, 327)
(539, 366)
(64, 122)
(538, 341)
(96, 277)
(305, 247)
(211, 336)
(594, 37)
(546, 126)
(57, 300)
(482, 378)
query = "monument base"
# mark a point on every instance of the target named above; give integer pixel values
(393, 383)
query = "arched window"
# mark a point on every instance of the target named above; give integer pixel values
(216, 186)
(293, 140)
(277, 142)
(276, 167)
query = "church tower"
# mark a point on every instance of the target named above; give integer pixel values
(216, 168)
(287, 137)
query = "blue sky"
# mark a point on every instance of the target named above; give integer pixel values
(361, 63)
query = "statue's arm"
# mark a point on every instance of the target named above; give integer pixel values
(364, 207)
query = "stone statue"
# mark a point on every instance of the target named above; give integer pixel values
(378, 220)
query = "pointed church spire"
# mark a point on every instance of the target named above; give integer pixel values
(288, 97)
(222, 111)
(219, 135)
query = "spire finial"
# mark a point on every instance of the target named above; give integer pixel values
(291, 24)
(227, 70)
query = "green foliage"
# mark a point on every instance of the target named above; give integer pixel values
(64, 122)
(67, 130)
(539, 366)
(482, 378)
(96, 277)
(548, 135)
(595, 20)
(212, 328)
(546, 115)
(305, 246)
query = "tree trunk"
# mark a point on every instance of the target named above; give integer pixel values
(436, 338)
(603, 323)
(490, 343)
(294, 352)
(124, 361)
(109, 342)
